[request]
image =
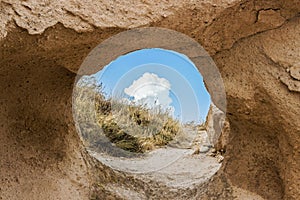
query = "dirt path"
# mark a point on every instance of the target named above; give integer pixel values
(172, 167)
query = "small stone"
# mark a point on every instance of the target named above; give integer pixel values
(213, 150)
(219, 158)
(197, 151)
(211, 154)
(204, 149)
(164, 15)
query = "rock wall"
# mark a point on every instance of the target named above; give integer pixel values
(255, 44)
(217, 127)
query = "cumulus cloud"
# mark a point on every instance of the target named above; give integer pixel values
(151, 91)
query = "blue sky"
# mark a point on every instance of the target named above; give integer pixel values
(173, 72)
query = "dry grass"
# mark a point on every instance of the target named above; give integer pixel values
(104, 123)
(135, 128)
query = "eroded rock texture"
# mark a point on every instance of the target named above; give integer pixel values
(255, 44)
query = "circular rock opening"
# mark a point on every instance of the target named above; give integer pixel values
(148, 113)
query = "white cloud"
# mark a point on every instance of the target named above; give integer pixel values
(152, 91)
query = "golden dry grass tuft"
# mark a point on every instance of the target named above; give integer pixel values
(105, 122)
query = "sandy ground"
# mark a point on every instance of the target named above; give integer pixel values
(173, 167)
